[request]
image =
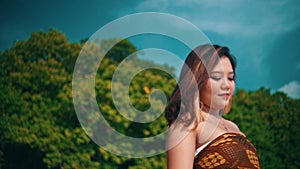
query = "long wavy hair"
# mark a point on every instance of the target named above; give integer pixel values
(185, 104)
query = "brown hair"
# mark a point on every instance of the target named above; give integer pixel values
(194, 74)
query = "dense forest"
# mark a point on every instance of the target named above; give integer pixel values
(40, 129)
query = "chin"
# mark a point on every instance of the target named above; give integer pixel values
(221, 105)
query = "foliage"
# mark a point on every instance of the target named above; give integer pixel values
(38, 120)
(37, 114)
(271, 122)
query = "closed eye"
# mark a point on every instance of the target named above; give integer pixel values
(231, 78)
(216, 78)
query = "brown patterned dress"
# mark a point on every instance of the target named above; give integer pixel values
(229, 150)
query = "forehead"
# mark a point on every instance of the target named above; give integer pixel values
(223, 65)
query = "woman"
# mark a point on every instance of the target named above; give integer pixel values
(198, 136)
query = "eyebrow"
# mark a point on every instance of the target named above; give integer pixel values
(220, 72)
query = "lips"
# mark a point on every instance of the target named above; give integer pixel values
(225, 95)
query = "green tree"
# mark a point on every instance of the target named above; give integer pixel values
(270, 121)
(37, 109)
(38, 119)
(37, 113)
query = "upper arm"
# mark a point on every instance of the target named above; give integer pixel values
(181, 154)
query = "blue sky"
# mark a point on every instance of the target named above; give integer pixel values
(263, 35)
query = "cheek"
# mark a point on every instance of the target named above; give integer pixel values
(232, 86)
(213, 87)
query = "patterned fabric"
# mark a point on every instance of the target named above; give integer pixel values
(230, 150)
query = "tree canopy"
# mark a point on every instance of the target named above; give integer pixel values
(40, 129)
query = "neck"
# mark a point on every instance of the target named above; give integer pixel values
(214, 112)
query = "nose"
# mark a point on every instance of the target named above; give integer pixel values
(225, 84)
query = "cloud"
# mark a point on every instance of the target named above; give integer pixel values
(233, 17)
(298, 66)
(250, 19)
(292, 89)
(158, 5)
(251, 28)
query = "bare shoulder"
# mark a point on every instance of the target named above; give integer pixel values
(232, 126)
(231, 123)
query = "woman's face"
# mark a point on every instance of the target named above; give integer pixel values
(220, 85)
